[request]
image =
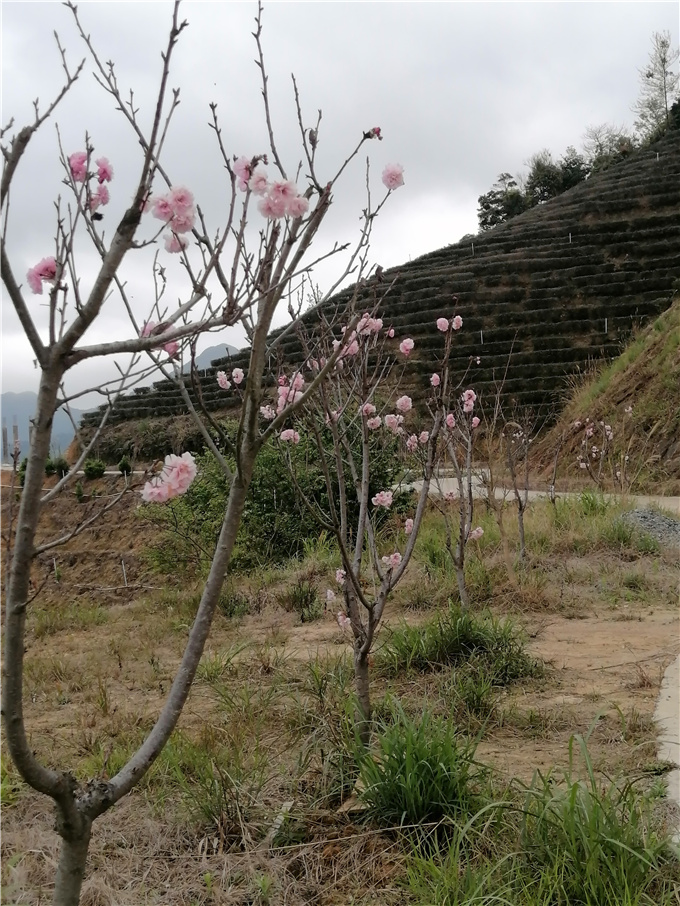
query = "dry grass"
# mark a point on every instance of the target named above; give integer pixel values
(263, 725)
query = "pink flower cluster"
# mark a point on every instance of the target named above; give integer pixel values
(178, 211)
(375, 132)
(406, 346)
(175, 479)
(288, 395)
(435, 380)
(404, 404)
(340, 576)
(45, 270)
(290, 436)
(393, 561)
(415, 439)
(476, 534)
(344, 621)
(368, 325)
(373, 423)
(393, 423)
(78, 165)
(468, 399)
(277, 199)
(151, 329)
(393, 176)
(408, 526)
(223, 381)
(383, 498)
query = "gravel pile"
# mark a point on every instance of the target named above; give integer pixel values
(666, 529)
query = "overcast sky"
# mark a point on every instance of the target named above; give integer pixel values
(461, 91)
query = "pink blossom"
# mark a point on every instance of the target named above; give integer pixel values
(344, 621)
(330, 596)
(374, 423)
(392, 422)
(272, 207)
(298, 206)
(435, 380)
(390, 333)
(442, 324)
(475, 422)
(404, 403)
(368, 409)
(285, 189)
(383, 498)
(375, 132)
(408, 526)
(242, 172)
(476, 534)
(237, 375)
(424, 437)
(469, 395)
(298, 381)
(393, 176)
(147, 328)
(340, 575)
(179, 472)
(181, 199)
(282, 381)
(78, 164)
(183, 221)
(290, 435)
(450, 420)
(172, 348)
(258, 182)
(368, 325)
(155, 491)
(44, 270)
(267, 413)
(175, 479)
(175, 244)
(393, 561)
(582, 465)
(104, 170)
(468, 406)
(100, 197)
(223, 381)
(162, 209)
(406, 346)
(351, 349)
(412, 443)
(457, 322)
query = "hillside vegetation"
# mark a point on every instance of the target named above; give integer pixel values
(646, 378)
(543, 295)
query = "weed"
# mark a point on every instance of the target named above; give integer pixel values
(454, 638)
(302, 599)
(424, 774)
(214, 667)
(73, 617)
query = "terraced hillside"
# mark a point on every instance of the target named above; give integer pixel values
(561, 285)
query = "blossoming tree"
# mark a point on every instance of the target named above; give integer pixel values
(354, 416)
(233, 276)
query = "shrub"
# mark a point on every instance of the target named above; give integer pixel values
(78, 490)
(125, 466)
(93, 468)
(61, 466)
(302, 599)
(50, 467)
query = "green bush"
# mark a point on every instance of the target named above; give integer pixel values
(275, 525)
(424, 773)
(61, 466)
(125, 466)
(93, 468)
(50, 468)
(79, 492)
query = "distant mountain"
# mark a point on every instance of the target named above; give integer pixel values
(18, 408)
(205, 359)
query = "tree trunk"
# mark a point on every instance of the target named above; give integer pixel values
(462, 590)
(361, 680)
(71, 868)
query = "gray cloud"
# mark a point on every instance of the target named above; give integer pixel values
(462, 92)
